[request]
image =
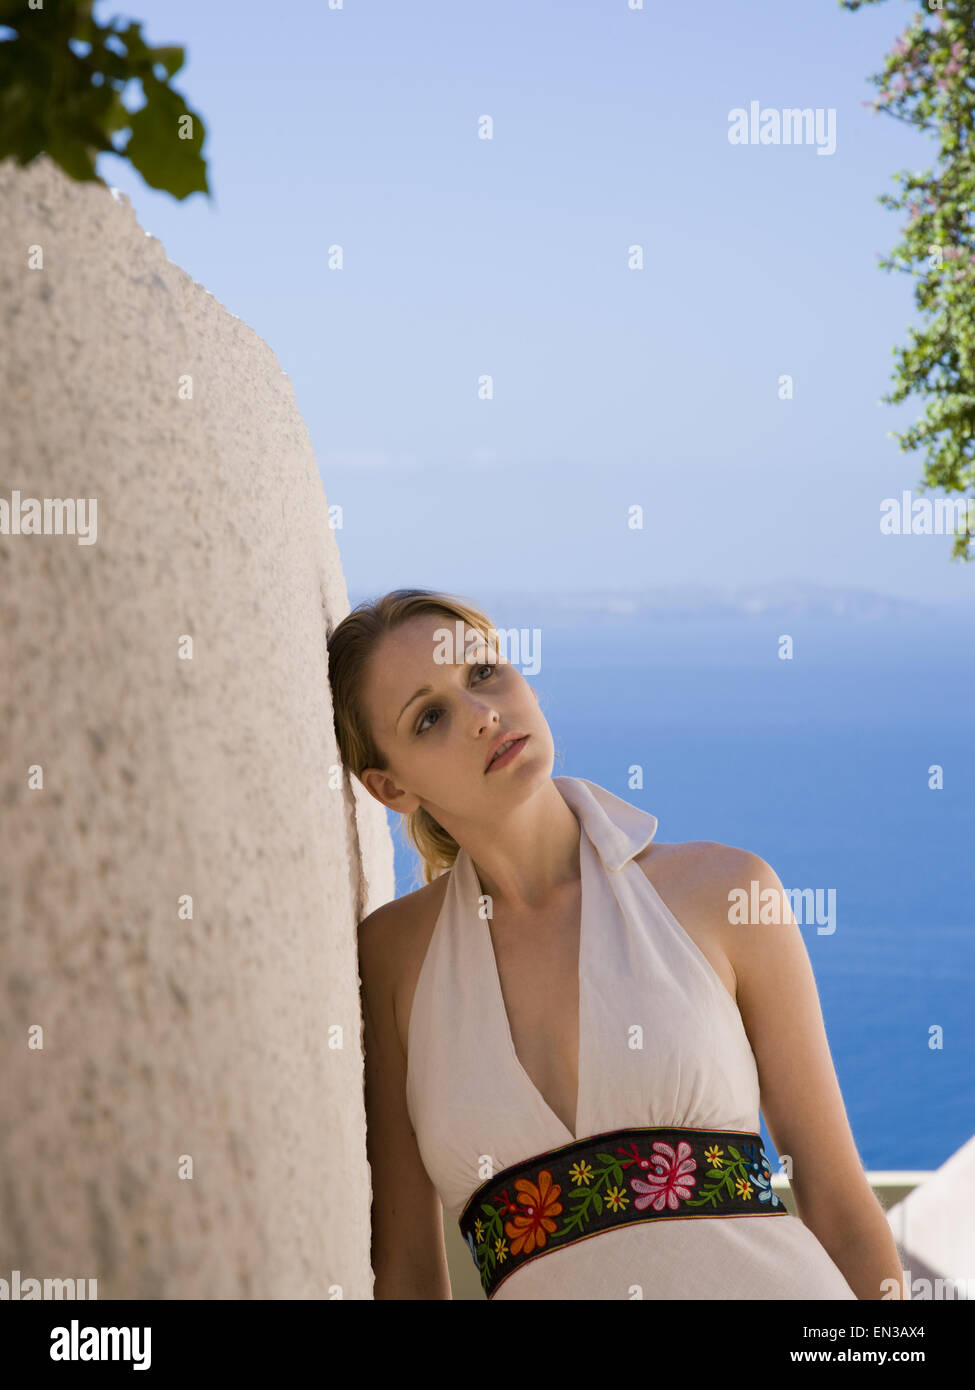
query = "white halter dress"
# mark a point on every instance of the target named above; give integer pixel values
(471, 1102)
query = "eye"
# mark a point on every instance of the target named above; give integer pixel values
(435, 709)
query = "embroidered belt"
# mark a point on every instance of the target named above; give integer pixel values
(617, 1178)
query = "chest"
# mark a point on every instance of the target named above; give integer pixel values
(536, 964)
(529, 981)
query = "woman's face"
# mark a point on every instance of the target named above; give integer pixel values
(436, 723)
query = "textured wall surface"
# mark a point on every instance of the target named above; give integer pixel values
(130, 777)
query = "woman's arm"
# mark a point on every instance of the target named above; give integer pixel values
(408, 1254)
(800, 1094)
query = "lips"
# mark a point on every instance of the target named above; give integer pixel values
(506, 742)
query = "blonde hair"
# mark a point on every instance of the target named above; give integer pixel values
(350, 646)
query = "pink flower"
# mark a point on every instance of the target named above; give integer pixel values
(668, 1180)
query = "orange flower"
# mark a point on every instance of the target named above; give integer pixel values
(541, 1203)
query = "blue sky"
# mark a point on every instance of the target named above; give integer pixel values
(358, 127)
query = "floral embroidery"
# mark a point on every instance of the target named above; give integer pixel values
(761, 1176)
(670, 1181)
(580, 1172)
(528, 1228)
(743, 1175)
(661, 1179)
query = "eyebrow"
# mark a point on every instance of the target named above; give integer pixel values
(428, 689)
(423, 690)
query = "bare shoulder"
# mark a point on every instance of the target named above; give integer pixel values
(705, 855)
(707, 867)
(777, 998)
(694, 879)
(392, 944)
(382, 930)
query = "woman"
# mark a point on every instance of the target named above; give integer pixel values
(566, 1039)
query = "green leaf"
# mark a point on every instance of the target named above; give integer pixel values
(69, 104)
(163, 158)
(172, 58)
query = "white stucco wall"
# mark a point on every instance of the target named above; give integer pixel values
(934, 1227)
(212, 777)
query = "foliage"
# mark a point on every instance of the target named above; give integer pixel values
(63, 76)
(927, 82)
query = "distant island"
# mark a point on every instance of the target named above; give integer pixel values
(787, 598)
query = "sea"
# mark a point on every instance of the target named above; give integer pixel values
(832, 732)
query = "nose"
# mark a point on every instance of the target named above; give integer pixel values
(485, 717)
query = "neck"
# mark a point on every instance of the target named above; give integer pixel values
(531, 857)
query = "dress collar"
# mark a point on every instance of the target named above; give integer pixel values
(618, 830)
